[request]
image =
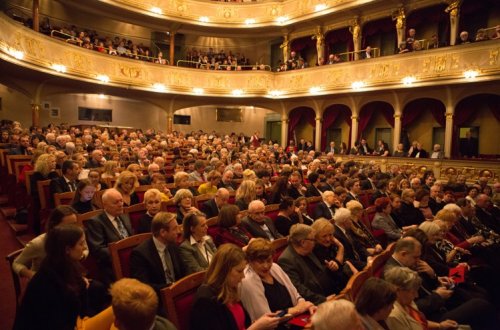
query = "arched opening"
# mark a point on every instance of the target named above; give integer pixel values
(339, 42)
(376, 122)
(423, 120)
(337, 124)
(380, 34)
(302, 124)
(475, 127)
(475, 15)
(305, 48)
(428, 21)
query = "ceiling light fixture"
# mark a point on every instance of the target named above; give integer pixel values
(249, 21)
(198, 91)
(320, 7)
(103, 78)
(156, 10)
(409, 80)
(237, 92)
(204, 19)
(159, 87)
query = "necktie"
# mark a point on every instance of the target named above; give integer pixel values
(169, 271)
(121, 228)
(72, 186)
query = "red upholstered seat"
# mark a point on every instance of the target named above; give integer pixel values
(120, 253)
(272, 211)
(178, 299)
(279, 245)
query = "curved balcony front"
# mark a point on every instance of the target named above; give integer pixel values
(27, 48)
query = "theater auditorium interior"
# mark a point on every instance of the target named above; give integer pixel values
(249, 164)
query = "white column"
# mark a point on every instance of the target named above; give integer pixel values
(284, 131)
(354, 130)
(317, 138)
(397, 131)
(448, 133)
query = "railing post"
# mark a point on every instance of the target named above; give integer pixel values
(172, 48)
(36, 15)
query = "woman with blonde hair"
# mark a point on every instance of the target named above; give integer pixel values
(361, 232)
(245, 194)
(217, 302)
(126, 184)
(44, 169)
(110, 170)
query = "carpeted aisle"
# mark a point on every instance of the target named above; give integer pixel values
(8, 244)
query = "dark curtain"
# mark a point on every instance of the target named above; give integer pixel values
(337, 36)
(464, 112)
(415, 108)
(369, 110)
(296, 116)
(433, 14)
(410, 114)
(493, 102)
(330, 116)
(300, 44)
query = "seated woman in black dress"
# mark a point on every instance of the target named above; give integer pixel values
(229, 230)
(84, 196)
(286, 217)
(152, 201)
(217, 303)
(266, 287)
(302, 211)
(56, 296)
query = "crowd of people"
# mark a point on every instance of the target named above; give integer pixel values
(436, 225)
(212, 60)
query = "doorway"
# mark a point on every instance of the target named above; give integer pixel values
(273, 131)
(385, 135)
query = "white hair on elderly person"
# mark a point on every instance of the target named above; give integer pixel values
(336, 314)
(454, 208)
(326, 194)
(342, 215)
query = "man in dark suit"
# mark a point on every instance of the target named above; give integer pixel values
(146, 179)
(308, 274)
(157, 261)
(313, 189)
(353, 250)
(367, 53)
(469, 146)
(296, 189)
(486, 214)
(326, 209)
(68, 181)
(23, 148)
(257, 224)
(363, 148)
(96, 159)
(354, 188)
(211, 207)
(108, 227)
(435, 202)
(331, 148)
(227, 181)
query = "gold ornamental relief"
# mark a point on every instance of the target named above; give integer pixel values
(181, 7)
(131, 72)
(180, 79)
(493, 57)
(32, 47)
(79, 62)
(455, 61)
(440, 64)
(219, 82)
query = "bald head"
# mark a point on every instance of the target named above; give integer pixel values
(112, 201)
(256, 211)
(221, 197)
(408, 251)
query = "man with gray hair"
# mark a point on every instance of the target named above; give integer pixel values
(327, 207)
(212, 207)
(337, 314)
(257, 224)
(308, 274)
(353, 249)
(110, 226)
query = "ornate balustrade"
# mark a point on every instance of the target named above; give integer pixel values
(25, 47)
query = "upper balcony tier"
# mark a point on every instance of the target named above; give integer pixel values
(24, 47)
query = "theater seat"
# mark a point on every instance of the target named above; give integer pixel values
(64, 198)
(120, 253)
(272, 211)
(279, 245)
(379, 261)
(18, 288)
(178, 299)
(135, 212)
(356, 282)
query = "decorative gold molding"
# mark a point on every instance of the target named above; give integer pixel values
(432, 67)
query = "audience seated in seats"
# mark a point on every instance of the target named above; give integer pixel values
(23, 148)
(406, 313)
(83, 201)
(181, 181)
(360, 231)
(353, 249)
(337, 314)
(29, 261)
(210, 187)
(301, 210)
(58, 293)
(157, 261)
(384, 221)
(309, 275)
(245, 194)
(330, 251)
(230, 229)
(327, 207)
(126, 184)
(184, 200)
(354, 188)
(152, 201)
(213, 206)
(257, 224)
(68, 180)
(96, 160)
(94, 177)
(110, 226)
(487, 214)
(197, 249)
(435, 299)
(199, 172)
(436, 200)
(217, 302)
(408, 214)
(260, 191)
(296, 189)
(374, 303)
(381, 191)
(422, 203)
(279, 190)
(146, 179)
(227, 181)
(286, 216)
(266, 287)
(313, 189)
